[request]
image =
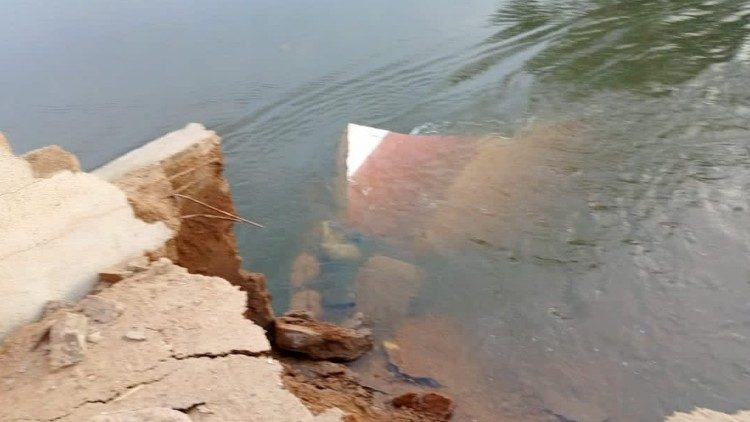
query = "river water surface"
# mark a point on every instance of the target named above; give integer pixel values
(606, 278)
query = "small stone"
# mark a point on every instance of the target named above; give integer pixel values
(94, 337)
(114, 275)
(67, 340)
(101, 309)
(299, 332)
(433, 405)
(138, 265)
(135, 334)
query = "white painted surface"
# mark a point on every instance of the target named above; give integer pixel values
(362, 141)
(155, 151)
(56, 234)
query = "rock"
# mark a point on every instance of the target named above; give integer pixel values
(259, 308)
(385, 287)
(50, 160)
(433, 405)
(67, 340)
(334, 246)
(5, 145)
(156, 414)
(341, 251)
(135, 334)
(305, 268)
(100, 309)
(299, 332)
(307, 300)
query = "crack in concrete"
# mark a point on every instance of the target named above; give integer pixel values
(221, 354)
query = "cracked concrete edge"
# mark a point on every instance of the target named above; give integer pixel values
(197, 348)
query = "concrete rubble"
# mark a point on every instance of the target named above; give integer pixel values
(299, 332)
(67, 340)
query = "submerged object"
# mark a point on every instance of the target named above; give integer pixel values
(393, 179)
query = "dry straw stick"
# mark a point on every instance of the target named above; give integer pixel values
(228, 214)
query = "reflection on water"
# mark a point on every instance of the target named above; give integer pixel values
(645, 45)
(588, 264)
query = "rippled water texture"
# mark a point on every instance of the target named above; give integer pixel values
(588, 263)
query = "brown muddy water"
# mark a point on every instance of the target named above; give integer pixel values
(589, 264)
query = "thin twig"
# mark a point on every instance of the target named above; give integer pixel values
(229, 214)
(218, 217)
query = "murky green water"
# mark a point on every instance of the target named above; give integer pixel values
(612, 282)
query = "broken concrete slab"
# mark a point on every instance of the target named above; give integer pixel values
(47, 255)
(178, 180)
(385, 288)
(198, 351)
(50, 160)
(299, 332)
(188, 162)
(67, 340)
